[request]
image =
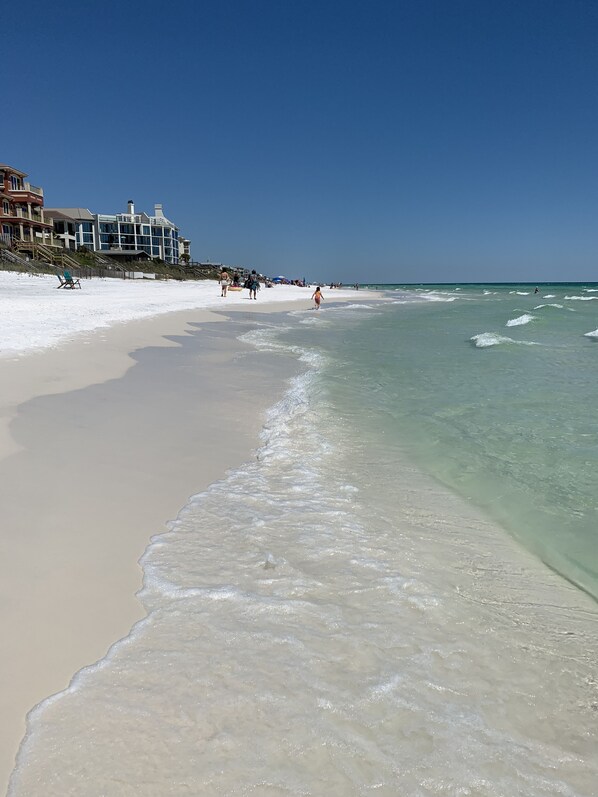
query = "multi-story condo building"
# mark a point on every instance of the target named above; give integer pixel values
(123, 232)
(22, 209)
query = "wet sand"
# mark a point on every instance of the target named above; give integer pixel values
(102, 441)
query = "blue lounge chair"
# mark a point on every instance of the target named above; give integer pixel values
(68, 281)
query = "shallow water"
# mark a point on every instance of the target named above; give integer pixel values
(330, 619)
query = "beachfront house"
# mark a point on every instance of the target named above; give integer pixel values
(119, 232)
(74, 227)
(22, 219)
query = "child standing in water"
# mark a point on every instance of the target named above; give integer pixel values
(317, 297)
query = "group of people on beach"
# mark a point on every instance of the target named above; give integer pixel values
(252, 282)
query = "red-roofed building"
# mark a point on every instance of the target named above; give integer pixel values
(22, 209)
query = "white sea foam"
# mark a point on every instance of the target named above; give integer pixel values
(580, 298)
(435, 297)
(410, 298)
(520, 320)
(520, 293)
(486, 339)
(313, 320)
(549, 296)
(593, 334)
(540, 306)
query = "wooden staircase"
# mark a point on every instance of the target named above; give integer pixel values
(55, 256)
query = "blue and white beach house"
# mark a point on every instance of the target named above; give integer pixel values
(133, 233)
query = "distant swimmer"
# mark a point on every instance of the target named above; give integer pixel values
(536, 291)
(317, 297)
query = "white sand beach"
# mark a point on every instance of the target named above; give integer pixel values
(85, 479)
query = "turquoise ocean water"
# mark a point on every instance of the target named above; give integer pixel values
(492, 392)
(395, 596)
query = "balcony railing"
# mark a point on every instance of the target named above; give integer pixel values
(128, 218)
(28, 189)
(22, 214)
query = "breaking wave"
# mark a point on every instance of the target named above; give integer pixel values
(486, 339)
(520, 320)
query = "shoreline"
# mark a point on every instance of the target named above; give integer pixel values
(85, 486)
(217, 386)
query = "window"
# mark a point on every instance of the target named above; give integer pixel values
(6, 208)
(86, 226)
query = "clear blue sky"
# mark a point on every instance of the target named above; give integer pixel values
(392, 141)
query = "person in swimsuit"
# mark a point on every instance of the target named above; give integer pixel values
(317, 297)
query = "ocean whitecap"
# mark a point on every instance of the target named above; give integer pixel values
(486, 339)
(581, 298)
(540, 306)
(593, 334)
(520, 320)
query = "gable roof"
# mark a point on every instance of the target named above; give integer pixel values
(82, 214)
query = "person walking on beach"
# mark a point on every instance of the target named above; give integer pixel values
(317, 297)
(253, 284)
(224, 281)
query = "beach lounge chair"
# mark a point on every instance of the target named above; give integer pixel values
(68, 281)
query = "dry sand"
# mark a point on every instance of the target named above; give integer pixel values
(99, 449)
